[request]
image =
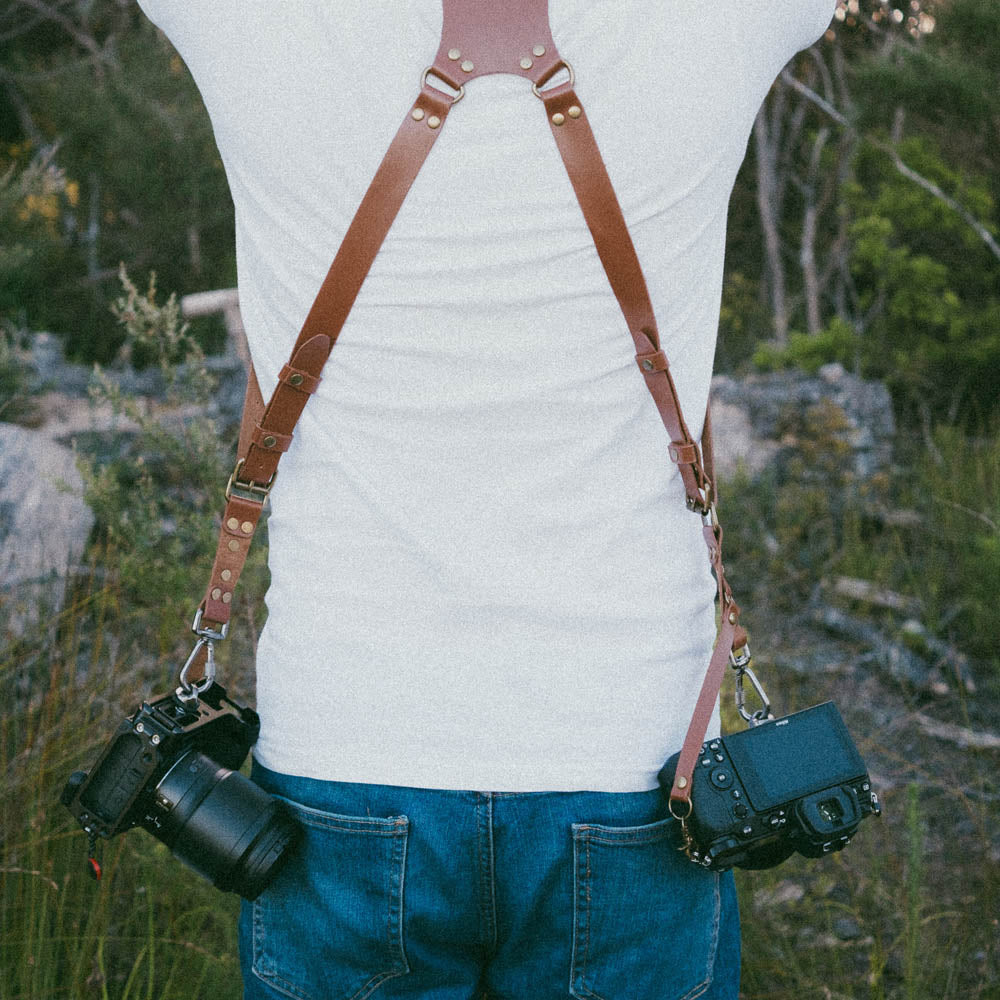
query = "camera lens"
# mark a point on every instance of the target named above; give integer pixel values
(222, 825)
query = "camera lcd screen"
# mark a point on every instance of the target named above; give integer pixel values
(786, 759)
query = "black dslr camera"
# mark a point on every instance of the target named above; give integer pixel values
(792, 784)
(172, 769)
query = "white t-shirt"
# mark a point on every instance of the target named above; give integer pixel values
(483, 573)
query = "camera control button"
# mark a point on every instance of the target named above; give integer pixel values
(721, 778)
(736, 793)
(719, 757)
(714, 745)
(747, 831)
(706, 761)
(740, 809)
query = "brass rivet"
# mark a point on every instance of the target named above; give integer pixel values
(216, 594)
(433, 121)
(234, 546)
(468, 65)
(270, 441)
(558, 118)
(526, 63)
(732, 617)
(226, 598)
(647, 365)
(227, 575)
(682, 782)
(233, 523)
(454, 54)
(246, 527)
(574, 111)
(297, 379)
(539, 50)
(418, 114)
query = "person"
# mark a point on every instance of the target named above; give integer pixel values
(489, 612)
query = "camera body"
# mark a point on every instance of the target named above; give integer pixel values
(792, 784)
(171, 768)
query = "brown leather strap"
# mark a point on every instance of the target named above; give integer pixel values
(258, 464)
(599, 203)
(253, 410)
(479, 37)
(731, 638)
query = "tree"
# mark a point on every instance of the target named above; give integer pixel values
(878, 227)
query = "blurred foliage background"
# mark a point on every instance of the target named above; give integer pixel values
(862, 225)
(862, 229)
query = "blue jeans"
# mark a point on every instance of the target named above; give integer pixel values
(464, 895)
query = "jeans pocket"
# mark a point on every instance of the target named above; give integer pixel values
(330, 927)
(645, 919)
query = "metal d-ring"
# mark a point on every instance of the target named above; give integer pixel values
(423, 83)
(204, 632)
(562, 64)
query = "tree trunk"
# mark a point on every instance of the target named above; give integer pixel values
(767, 197)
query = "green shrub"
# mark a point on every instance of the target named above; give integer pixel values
(838, 342)
(33, 193)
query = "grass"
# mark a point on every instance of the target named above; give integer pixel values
(150, 928)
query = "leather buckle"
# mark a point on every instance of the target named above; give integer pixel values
(254, 492)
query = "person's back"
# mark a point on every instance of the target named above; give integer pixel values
(483, 572)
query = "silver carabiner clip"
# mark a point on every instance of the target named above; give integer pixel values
(764, 712)
(740, 662)
(189, 691)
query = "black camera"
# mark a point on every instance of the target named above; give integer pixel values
(792, 784)
(172, 769)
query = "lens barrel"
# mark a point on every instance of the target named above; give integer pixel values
(222, 825)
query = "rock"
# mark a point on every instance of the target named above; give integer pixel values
(784, 893)
(846, 928)
(52, 370)
(44, 525)
(736, 443)
(750, 417)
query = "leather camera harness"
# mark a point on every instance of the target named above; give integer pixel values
(478, 38)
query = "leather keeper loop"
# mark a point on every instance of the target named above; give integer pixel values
(655, 362)
(680, 452)
(295, 378)
(270, 440)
